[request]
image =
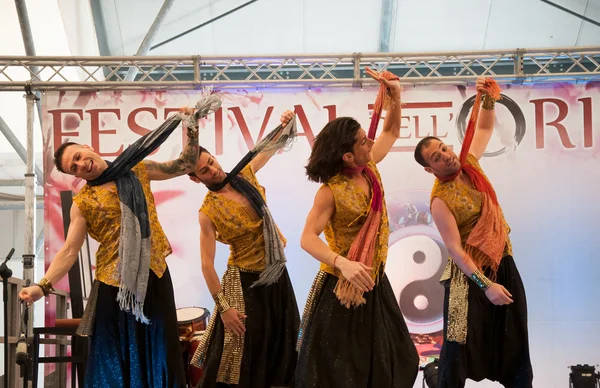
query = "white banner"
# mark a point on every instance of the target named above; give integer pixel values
(542, 162)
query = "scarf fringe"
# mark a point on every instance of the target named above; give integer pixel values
(129, 303)
(209, 103)
(483, 262)
(270, 275)
(286, 138)
(348, 294)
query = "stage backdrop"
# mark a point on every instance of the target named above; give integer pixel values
(542, 160)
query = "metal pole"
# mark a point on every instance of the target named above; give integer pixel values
(29, 50)
(17, 205)
(15, 143)
(39, 243)
(25, 27)
(30, 199)
(145, 46)
(387, 24)
(203, 24)
(12, 182)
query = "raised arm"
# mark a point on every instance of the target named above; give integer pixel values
(184, 164)
(485, 124)
(391, 124)
(446, 225)
(261, 159)
(208, 245)
(321, 212)
(65, 257)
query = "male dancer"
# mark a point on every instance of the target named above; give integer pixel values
(485, 311)
(251, 341)
(131, 313)
(353, 333)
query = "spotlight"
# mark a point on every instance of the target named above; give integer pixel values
(583, 376)
(430, 374)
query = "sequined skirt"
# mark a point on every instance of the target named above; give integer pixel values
(128, 354)
(269, 355)
(368, 346)
(497, 344)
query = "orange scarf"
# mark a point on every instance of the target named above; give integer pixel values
(486, 242)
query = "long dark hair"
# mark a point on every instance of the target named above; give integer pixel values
(336, 138)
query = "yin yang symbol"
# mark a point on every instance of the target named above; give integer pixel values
(416, 260)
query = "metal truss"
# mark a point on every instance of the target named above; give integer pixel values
(193, 72)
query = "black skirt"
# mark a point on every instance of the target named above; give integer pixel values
(497, 345)
(269, 358)
(126, 353)
(368, 346)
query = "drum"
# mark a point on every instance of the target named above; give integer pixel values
(191, 320)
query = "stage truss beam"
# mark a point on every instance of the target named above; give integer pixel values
(579, 64)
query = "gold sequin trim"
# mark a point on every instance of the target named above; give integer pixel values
(86, 326)
(311, 303)
(233, 345)
(458, 303)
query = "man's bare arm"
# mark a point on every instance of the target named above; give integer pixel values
(68, 253)
(446, 224)
(322, 210)
(184, 164)
(485, 126)
(261, 159)
(208, 246)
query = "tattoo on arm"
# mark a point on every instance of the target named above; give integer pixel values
(183, 164)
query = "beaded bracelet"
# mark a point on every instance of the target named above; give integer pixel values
(488, 102)
(481, 280)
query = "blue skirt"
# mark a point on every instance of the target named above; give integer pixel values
(129, 354)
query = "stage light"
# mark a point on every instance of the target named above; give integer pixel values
(430, 374)
(583, 376)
